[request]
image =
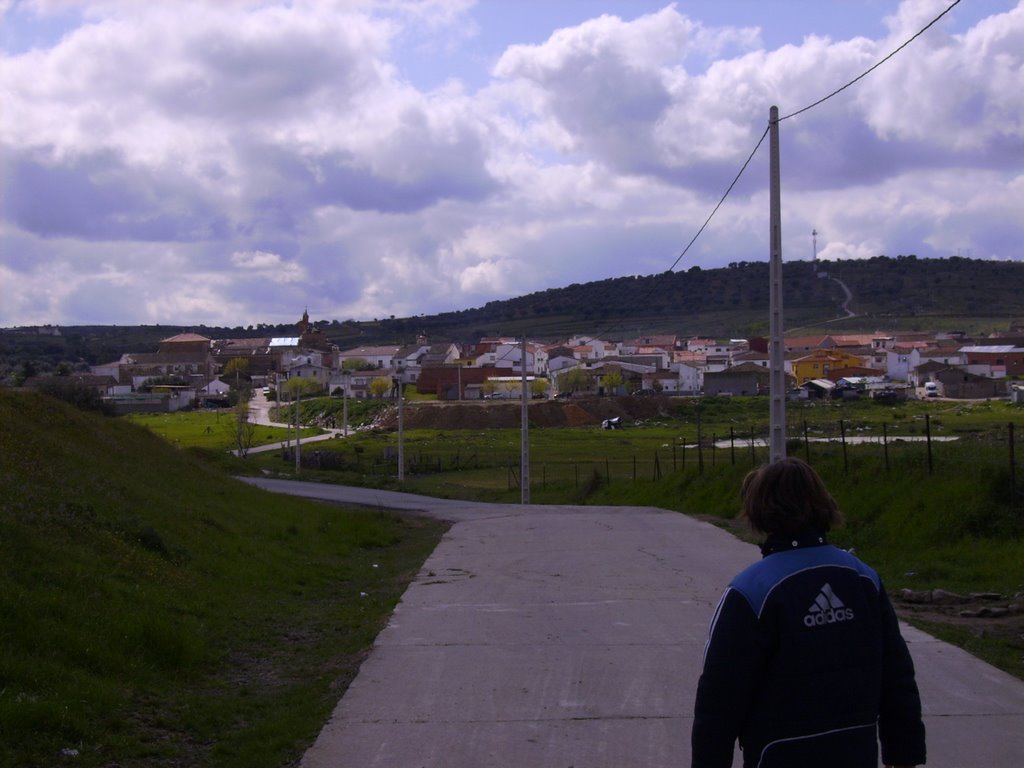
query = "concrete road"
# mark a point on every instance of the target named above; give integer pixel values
(572, 636)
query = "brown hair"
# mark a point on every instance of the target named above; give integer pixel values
(788, 497)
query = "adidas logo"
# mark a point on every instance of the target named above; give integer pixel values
(827, 609)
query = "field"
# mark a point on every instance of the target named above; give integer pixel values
(153, 611)
(945, 513)
(209, 429)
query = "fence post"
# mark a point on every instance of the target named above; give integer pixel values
(753, 453)
(714, 446)
(657, 467)
(634, 467)
(684, 454)
(1013, 470)
(885, 445)
(700, 445)
(732, 445)
(807, 444)
(577, 466)
(842, 436)
(673, 454)
(928, 435)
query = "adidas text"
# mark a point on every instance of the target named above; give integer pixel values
(831, 616)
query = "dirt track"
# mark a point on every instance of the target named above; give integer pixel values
(546, 413)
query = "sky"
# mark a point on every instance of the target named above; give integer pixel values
(235, 162)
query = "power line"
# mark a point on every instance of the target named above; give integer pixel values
(760, 141)
(867, 72)
(801, 111)
(711, 216)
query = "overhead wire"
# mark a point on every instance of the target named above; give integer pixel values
(868, 71)
(760, 141)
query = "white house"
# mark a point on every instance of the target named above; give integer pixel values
(378, 357)
(944, 355)
(509, 357)
(898, 363)
(691, 378)
(215, 387)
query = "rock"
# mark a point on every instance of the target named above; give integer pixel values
(910, 596)
(994, 612)
(942, 597)
(985, 612)
(988, 596)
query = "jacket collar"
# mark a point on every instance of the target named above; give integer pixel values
(780, 542)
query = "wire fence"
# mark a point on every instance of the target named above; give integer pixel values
(924, 448)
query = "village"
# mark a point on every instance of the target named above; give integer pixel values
(188, 369)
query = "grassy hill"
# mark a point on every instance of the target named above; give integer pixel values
(155, 612)
(902, 293)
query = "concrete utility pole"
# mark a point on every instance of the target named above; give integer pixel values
(401, 431)
(298, 402)
(524, 462)
(776, 347)
(347, 381)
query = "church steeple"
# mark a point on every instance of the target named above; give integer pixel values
(303, 325)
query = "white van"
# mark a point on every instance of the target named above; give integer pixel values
(931, 389)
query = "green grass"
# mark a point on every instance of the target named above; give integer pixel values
(154, 611)
(955, 526)
(212, 430)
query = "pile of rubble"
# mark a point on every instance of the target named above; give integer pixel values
(975, 605)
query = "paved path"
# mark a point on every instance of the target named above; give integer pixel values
(259, 413)
(572, 636)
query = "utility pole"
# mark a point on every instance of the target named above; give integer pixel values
(776, 347)
(814, 241)
(347, 380)
(401, 430)
(298, 403)
(524, 468)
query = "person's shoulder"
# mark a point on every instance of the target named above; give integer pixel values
(850, 560)
(756, 581)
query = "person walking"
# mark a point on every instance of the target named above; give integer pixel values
(804, 665)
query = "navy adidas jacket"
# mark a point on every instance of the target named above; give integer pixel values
(805, 666)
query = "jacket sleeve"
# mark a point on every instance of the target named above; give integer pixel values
(900, 728)
(732, 663)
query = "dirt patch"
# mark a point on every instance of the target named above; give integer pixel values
(579, 412)
(984, 614)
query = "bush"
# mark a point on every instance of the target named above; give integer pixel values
(77, 394)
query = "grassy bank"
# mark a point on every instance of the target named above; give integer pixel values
(155, 612)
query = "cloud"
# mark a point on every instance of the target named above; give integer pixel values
(233, 162)
(268, 266)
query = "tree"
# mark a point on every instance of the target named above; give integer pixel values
(539, 386)
(612, 381)
(296, 386)
(357, 364)
(244, 430)
(240, 392)
(237, 366)
(574, 380)
(380, 386)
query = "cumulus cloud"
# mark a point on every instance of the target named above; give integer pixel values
(269, 266)
(230, 162)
